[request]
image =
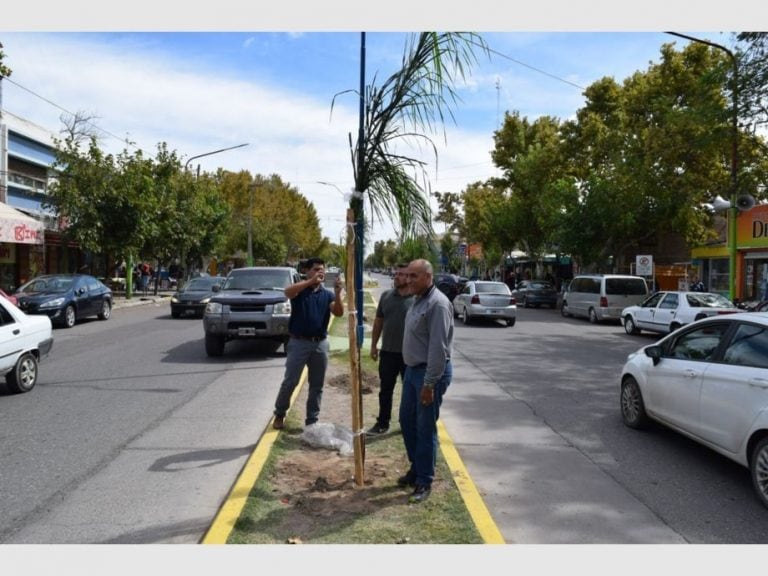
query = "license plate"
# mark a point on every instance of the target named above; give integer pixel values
(246, 331)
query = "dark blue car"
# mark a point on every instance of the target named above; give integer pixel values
(65, 298)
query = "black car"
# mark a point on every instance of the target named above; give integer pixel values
(194, 296)
(65, 298)
(449, 284)
(535, 293)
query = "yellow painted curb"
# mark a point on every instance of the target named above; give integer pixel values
(230, 511)
(474, 502)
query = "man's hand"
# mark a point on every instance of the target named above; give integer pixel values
(427, 395)
(374, 351)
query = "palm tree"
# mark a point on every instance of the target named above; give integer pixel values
(414, 100)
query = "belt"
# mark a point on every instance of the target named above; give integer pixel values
(312, 338)
(424, 365)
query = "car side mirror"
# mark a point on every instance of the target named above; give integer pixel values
(654, 353)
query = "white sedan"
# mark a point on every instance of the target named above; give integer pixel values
(708, 381)
(485, 300)
(667, 311)
(24, 339)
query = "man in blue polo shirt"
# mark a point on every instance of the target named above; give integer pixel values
(311, 308)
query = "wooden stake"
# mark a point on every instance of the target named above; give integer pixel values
(358, 435)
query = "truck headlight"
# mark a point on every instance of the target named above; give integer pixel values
(282, 307)
(214, 308)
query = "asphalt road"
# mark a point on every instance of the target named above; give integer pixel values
(132, 435)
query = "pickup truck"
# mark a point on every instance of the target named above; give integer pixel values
(249, 304)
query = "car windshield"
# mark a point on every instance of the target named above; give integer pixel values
(203, 283)
(257, 280)
(707, 300)
(540, 286)
(48, 284)
(491, 288)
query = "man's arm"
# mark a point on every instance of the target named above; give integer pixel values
(337, 308)
(378, 324)
(295, 289)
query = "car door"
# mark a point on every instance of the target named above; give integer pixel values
(646, 312)
(84, 298)
(673, 386)
(666, 312)
(9, 334)
(735, 390)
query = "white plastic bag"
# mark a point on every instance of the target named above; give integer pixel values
(327, 435)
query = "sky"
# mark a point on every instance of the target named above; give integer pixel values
(202, 82)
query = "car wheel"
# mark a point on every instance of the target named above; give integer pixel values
(465, 317)
(511, 322)
(629, 325)
(758, 466)
(564, 310)
(632, 405)
(106, 310)
(69, 316)
(214, 345)
(593, 316)
(23, 377)
(674, 326)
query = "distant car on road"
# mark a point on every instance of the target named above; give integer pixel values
(449, 284)
(535, 293)
(65, 298)
(24, 340)
(485, 300)
(194, 296)
(669, 310)
(708, 381)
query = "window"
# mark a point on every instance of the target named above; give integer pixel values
(5, 316)
(653, 301)
(625, 286)
(698, 344)
(749, 347)
(670, 302)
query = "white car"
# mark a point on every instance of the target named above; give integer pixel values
(667, 311)
(708, 381)
(485, 300)
(24, 340)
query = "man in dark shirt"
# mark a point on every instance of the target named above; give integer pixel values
(311, 308)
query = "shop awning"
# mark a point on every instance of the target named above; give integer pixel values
(18, 228)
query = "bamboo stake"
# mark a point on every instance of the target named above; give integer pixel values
(354, 364)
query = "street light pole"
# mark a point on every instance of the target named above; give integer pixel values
(733, 210)
(186, 165)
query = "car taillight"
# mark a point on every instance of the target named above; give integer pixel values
(603, 302)
(512, 301)
(475, 299)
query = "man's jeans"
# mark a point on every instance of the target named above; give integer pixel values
(419, 423)
(391, 366)
(313, 355)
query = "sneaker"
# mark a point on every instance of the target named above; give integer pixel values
(278, 423)
(409, 479)
(377, 429)
(420, 493)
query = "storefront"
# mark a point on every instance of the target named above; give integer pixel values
(712, 263)
(22, 248)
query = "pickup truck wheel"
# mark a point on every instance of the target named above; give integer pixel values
(23, 377)
(214, 345)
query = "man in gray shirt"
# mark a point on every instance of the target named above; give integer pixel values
(389, 324)
(427, 348)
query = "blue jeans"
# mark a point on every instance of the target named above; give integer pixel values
(419, 423)
(391, 366)
(313, 355)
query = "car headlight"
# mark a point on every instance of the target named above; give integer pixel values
(214, 308)
(205, 300)
(282, 307)
(55, 303)
(174, 300)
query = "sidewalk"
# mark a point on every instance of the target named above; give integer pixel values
(120, 301)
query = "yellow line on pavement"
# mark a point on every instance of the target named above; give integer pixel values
(474, 502)
(233, 505)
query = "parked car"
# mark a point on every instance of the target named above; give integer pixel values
(485, 300)
(602, 297)
(65, 298)
(250, 304)
(24, 341)
(667, 311)
(194, 296)
(535, 293)
(10, 297)
(709, 381)
(448, 284)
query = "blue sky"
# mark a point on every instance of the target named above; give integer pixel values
(225, 84)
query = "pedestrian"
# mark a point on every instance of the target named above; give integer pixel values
(311, 307)
(427, 347)
(697, 285)
(389, 324)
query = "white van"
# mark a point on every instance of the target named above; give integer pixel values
(602, 296)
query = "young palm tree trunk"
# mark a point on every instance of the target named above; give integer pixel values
(354, 363)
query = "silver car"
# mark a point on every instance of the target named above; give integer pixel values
(485, 300)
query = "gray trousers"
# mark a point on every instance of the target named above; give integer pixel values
(300, 353)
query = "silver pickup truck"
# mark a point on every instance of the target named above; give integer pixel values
(250, 304)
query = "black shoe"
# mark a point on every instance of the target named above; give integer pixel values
(409, 479)
(420, 493)
(377, 429)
